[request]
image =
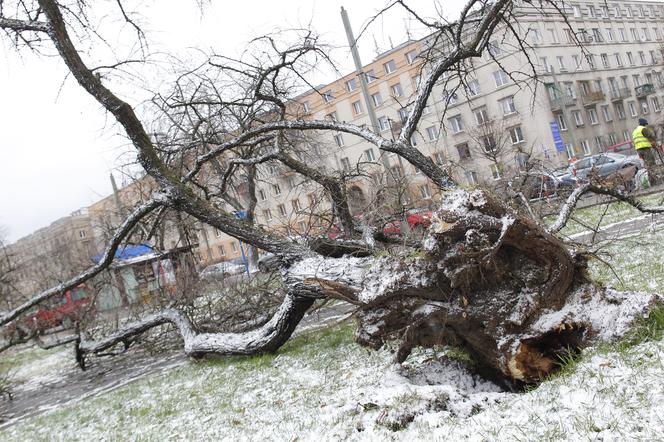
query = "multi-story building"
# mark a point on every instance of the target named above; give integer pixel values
(599, 68)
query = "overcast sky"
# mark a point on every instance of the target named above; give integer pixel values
(57, 147)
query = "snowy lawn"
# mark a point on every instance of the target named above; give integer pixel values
(603, 214)
(323, 386)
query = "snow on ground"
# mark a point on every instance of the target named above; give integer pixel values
(324, 387)
(321, 386)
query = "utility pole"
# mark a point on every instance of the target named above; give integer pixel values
(363, 83)
(352, 43)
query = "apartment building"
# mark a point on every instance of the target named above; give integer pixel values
(479, 126)
(51, 253)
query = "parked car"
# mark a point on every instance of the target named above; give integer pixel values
(221, 269)
(69, 309)
(604, 165)
(536, 185)
(417, 219)
(268, 262)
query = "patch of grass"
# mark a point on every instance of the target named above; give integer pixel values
(645, 329)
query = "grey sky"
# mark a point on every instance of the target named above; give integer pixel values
(57, 146)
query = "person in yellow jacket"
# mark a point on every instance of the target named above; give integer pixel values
(645, 143)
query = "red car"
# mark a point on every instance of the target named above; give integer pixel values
(418, 219)
(71, 308)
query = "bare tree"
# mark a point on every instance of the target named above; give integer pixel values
(488, 278)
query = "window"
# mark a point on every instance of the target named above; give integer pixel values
(642, 57)
(425, 191)
(613, 139)
(276, 189)
(577, 62)
(592, 115)
(493, 49)
(590, 58)
(370, 76)
(591, 12)
(635, 35)
(345, 164)
(463, 150)
(544, 65)
(616, 11)
(535, 36)
(456, 124)
(473, 88)
(607, 113)
(432, 133)
(627, 136)
(390, 67)
(645, 34)
(630, 58)
(623, 34)
(403, 114)
(351, 85)
(577, 118)
(655, 104)
(369, 155)
(81, 233)
(653, 57)
(495, 172)
(599, 143)
(339, 140)
(553, 36)
(222, 250)
(516, 135)
(450, 97)
(411, 56)
(576, 10)
(397, 91)
(377, 99)
(597, 35)
(413, 140)
(471, 177)
(658, 36)
(262, 195)
(619, 62)
(481, 116)
(302, 225)
(570, 151)
(383, 123)
(282, 209)
(507, 105)
(501, 78)
(605, 61)
(585, 145)
(609, 35)
(396, 171)
(632, 109)
(488, 143)
(327, 96)
(620, 111)
(561, 63)
(305, 107)
(291, 182)
(438, 158)
(561, 122)
(357, 108)
(644, 106)
(296, 205)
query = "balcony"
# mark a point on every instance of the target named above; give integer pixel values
(592, 98)
(620, 94)
(562, 101)
(644, 89)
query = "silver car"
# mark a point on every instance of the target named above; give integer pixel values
(604, 165)
(221, 269)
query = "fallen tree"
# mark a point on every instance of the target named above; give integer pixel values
(487, 277)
